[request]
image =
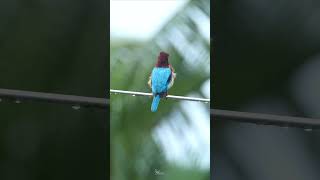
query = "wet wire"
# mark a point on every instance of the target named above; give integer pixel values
(19, 95)
(134, 93)
(218, 115)
(266, 119)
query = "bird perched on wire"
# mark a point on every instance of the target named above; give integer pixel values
(161, 79)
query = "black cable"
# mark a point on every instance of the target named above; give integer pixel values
(256, 118)
(265, 119)
(54, 98)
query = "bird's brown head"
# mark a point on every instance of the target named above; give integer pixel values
(163, 60)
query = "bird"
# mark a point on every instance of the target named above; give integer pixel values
(161, 79)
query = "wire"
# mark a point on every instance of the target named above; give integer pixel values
(225, 115)
(133, 93)
(265, 119)
(256, 118)
(54, 98)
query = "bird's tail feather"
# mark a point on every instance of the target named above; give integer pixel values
(155, 103)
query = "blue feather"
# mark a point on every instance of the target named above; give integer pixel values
(160, 79)
(155, 103)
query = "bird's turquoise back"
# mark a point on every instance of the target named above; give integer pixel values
(159, 79)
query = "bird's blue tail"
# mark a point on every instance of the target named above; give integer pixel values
(155, 103)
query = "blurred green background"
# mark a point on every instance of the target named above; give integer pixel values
(266, 60)
(174, 142)
(58, 47)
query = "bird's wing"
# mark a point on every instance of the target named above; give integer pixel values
(172, 77)
(171, 80)
(159, 79)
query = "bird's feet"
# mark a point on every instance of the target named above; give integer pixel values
(165, 95)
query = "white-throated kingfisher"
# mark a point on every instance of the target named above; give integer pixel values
(161, 79)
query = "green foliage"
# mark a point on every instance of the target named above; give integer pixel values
(134, 153)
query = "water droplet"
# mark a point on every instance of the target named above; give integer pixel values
(284, 127)
(77, 107)
(17, 101)
(308, 129)
(133, 95)
(206, 102)
(0, 100)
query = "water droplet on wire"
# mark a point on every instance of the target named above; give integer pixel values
(17, 101)
(76, 107)
(308, 129)
(133, 95)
